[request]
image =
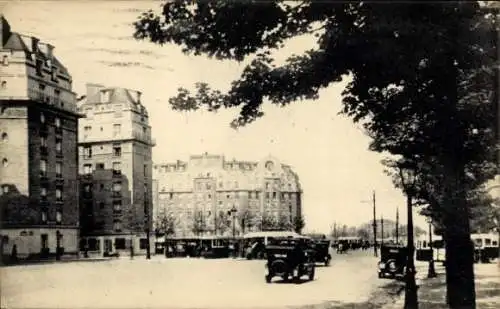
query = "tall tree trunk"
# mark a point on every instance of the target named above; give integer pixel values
(460, 289)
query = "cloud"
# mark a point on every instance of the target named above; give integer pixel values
(146, 53)
(126, 64)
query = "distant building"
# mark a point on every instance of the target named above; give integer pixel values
(38, 148)
(115, 149)
(201, 193)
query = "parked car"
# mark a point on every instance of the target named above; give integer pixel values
(392, 261)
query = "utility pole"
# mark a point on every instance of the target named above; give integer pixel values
(397, 226)
(374, 225)
(382, 230)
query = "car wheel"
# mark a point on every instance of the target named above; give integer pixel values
(268, 278)
(327, 262)
(380, 275)
(311, 274)
(286, 277)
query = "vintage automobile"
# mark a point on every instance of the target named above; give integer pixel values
(392, 261)
(321, 247)
(289, 257)
(322, 254)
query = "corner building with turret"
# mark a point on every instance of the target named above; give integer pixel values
(115, 167)
(261, 195)
(38, 149)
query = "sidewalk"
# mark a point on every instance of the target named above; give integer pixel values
(432, 292)
(25, 262)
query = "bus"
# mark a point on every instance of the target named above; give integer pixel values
(485, 247)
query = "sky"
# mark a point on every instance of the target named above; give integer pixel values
(338, 173)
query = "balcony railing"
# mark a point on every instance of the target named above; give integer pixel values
(144, 137)
(42, 97)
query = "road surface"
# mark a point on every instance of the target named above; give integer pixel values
(183, 283)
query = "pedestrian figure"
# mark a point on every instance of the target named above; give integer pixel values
(131, 252)
(86, 251)
(236, 249)
(14, 253)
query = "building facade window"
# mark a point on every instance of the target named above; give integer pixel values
(117, 226)
(43, 141)
(44, 216)
(43, 167)
(59, 146)
(4, 84)
(5, 162)
(100, 166)
(117, 128)
(117, 189)
(59, 194)
(5, 60)
(58, 169)
(58, 216)
(117, 205)
(117, 150)
(5, 189)
(43, 193)
(5, 137)
(117, 169)
(57, 122)
(87, 169)
(87, 152)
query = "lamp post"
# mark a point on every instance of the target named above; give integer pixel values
(431, 272)
(408, 180)
(397, 226)
(233, 213)
(58, 245)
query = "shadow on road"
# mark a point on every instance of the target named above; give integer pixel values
(379, 298)
(299, 281)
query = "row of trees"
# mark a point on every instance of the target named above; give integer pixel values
(166, 223)
(422, 81)
(365, 231)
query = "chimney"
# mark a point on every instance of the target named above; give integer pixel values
(139, 96)
(4, 31)
(34, 44)
(93, 92)
(50, 51)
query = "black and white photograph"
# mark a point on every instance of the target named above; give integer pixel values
(240, 154)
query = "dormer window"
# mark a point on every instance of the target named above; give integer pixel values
(104, 96)
(54, 73)
(48, 63)
(39, 67)
(5, 60)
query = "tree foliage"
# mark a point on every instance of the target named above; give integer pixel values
(246, 220)
(222, 222)
(421, 81)
(284, 223)
(298, 224)
(199, 223)
(269, 222)
(165, 223)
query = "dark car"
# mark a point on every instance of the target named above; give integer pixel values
(392, 261)
(321, 247)
(289, 258)
(322, 252)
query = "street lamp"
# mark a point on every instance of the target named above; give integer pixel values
(431, 273)
(233, 213)
(58, 245)
(408, 181)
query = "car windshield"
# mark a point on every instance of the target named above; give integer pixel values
(282, 241)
